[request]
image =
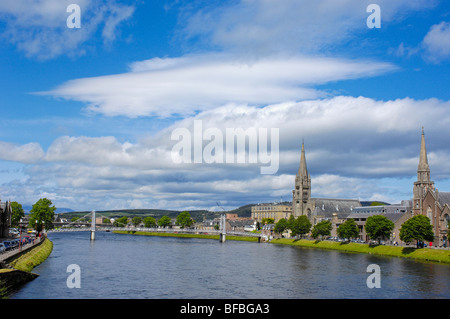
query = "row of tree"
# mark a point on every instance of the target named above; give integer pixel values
(377, 227)
(183, 220)
(42, 215)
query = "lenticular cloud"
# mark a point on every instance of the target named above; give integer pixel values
(183, 86)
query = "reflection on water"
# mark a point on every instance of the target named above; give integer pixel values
(127, 266)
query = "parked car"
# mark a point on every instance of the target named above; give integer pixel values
(2, 248)
(15, 243)
(8, 245)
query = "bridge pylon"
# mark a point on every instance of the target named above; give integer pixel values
(93, 225)
(223, 229)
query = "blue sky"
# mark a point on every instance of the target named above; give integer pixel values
(88, 113)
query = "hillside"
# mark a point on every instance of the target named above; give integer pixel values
(198, 215)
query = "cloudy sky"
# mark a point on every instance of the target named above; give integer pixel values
(91, 116)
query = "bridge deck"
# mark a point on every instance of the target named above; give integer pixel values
(159, 230)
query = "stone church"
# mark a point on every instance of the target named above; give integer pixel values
(317, 209)
(5, 219)
(428, 201)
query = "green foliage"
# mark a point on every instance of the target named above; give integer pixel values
(164, 221)
(121, 222)
(266, 221)
(17, 213)
(436, 255)
(42, 214)
(417, 228)
(149, 222)
(136, 221)
(322, 229)
(281, 226)
(348, 229)
(378, 227)
(184, 220)
(299, 226)
(376, 204)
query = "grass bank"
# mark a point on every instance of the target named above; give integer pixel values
(422, 254)
(204, 236)
(22, 266)
(34, 257)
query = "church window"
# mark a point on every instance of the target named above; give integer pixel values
(430, 214)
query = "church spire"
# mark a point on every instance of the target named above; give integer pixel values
(424, 182)
(423, 170)
(303, 170)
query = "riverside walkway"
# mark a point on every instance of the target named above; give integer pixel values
(10, 253)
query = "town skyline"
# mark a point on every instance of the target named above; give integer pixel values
(89, 110)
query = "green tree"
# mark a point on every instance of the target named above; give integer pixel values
(417, 228)
(348, 229)
(300, 226)
(164, 221)
(266, 221)
(379, 227)
(322, 228)
(121, 222)
(291, 222)
(42, 214)
(136, 221)
(281, 226)
(149, 222)
(184, 220)
(17, 213)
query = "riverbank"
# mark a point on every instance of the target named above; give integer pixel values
(18, 271)
(421, 254)
(204, 236)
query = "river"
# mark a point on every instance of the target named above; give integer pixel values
(118, 266)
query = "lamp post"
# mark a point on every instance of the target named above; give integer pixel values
(20, 236)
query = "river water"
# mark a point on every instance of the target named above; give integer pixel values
(118, 266)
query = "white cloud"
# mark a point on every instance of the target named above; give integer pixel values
(437, 42)
(27, 153)
(39, 28)
(352, 146)
(164, 87)
(259, 27)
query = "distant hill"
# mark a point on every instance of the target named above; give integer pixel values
(243, 211)
(198, 215)
(373, 203)
(27, 208)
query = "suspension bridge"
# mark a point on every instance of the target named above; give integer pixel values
(222, 231)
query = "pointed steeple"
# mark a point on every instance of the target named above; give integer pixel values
(301, 195)
(303, 170)
(423, 169)
(424, 182)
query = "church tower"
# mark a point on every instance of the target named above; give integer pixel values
(301, 195)
(423, 183)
